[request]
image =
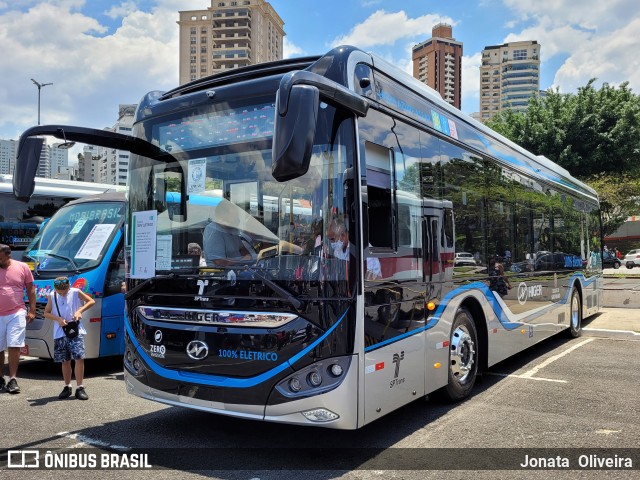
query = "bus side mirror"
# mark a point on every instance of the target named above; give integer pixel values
(27, 161)
(294, 131)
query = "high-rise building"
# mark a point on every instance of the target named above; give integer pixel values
(44, 167)
(89, 164)
(7, 156)
(509, 77)
(437, 62)
(59, 162)
(114, 164)
(228, 34)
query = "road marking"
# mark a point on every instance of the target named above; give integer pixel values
(529, 374)
(83, 441)
(507, 375)
(550, 360)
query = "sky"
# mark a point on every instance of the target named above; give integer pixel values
(99, 54)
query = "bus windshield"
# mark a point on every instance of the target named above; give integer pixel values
(238, 216)
(76, 237)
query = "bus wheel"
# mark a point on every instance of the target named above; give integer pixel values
(463, 357)
(575, 318)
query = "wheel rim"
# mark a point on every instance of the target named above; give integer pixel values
(575, 312)
(462, 354)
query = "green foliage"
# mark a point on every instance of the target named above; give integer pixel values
(587, 133)
(619, 198)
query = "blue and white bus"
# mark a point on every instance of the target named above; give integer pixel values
(370, 311)
(84, 241)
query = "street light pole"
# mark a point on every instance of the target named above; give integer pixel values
(39, 85)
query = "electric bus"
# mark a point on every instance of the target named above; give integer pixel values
(370, 311)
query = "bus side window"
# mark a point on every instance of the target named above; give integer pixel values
(380, 196)
(115, 273)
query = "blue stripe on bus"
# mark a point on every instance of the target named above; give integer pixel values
(218, 381)
(501, 315)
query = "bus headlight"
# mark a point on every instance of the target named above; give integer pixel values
(294, 385)
(315, 379)
(320, 377)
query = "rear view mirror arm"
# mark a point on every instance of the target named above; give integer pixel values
(101, 138)
(327, 88)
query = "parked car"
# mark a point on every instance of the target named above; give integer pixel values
(609, 260)
(632, 259)
(464, 259)
(549, 261)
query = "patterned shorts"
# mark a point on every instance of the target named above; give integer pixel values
(65, 349)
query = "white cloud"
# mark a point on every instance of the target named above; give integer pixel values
(595, 39)
(121, 10)
(384, 28)
(471, 82)
(90, 74)
(289, 49)
(612, 59)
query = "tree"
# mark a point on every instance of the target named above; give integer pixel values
(619, 198)
(587, 133)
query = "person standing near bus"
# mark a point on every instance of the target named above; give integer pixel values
(15, 278)
(63, 306)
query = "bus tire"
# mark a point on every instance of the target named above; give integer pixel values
(575, 315)
(463, 357)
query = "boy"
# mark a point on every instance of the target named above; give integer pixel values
(64, 305)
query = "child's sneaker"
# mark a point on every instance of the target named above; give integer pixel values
(81, 394)
(65, 393)
(12, 386)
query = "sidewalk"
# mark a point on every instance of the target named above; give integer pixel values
(623, 320)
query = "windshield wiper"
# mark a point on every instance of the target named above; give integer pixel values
(283, 292)
(35, 263)
(67, 259)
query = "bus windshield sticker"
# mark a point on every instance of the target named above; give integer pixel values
(163, 252)
(197, 170)
(143, 258)
(78, 226)
(95, 241)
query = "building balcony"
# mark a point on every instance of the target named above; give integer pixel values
(234, 26)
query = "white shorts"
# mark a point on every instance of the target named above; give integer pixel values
(12, 329)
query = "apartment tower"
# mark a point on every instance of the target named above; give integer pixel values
(228, 34)
(509, 77)
(437, 62)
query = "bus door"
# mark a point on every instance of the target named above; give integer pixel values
(438, 245)
(112, 327)
(394, 299)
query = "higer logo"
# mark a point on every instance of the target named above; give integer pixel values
(526, 292)
(197, 350)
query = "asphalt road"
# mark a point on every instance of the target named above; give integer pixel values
(580, 394)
